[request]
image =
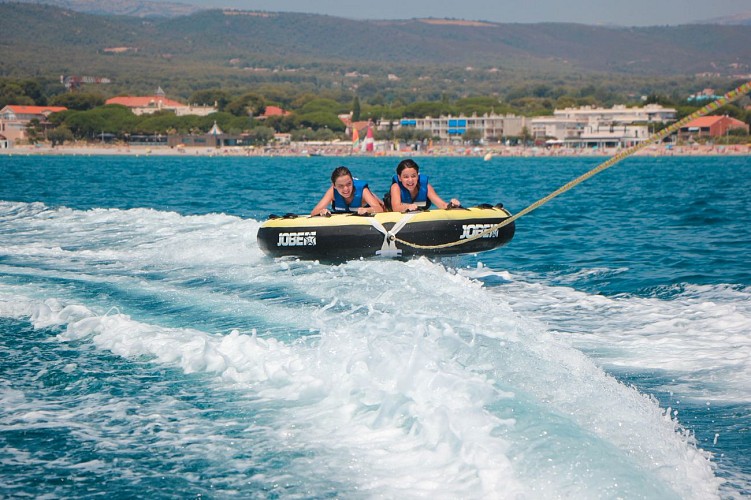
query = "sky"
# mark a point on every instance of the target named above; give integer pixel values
(598, 12)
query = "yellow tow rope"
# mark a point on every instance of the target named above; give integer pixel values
(725, 99)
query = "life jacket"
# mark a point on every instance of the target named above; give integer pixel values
(421, 199)
(341, 206)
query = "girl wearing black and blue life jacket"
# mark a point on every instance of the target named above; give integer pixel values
(411, 190)
(347, 195)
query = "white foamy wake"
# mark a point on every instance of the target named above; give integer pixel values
(400, 379)
(699, 336)
(469, 401)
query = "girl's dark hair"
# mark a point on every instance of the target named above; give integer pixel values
(338, 172)
(408, 163)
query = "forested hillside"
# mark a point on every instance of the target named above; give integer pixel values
(425, 57)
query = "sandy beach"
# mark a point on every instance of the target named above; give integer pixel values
(343, 150)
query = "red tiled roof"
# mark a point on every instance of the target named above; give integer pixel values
(144, 102)
(707, 121)
(35, 110)
(274, 111)
(704, 121)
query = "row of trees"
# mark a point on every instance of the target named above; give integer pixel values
(312, 116)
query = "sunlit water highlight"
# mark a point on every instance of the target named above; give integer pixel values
(150, 348)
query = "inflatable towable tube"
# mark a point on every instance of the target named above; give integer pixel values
(388, 234)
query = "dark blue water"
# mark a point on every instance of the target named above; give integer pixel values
(151, 348)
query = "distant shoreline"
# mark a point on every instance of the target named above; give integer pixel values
(339, 150)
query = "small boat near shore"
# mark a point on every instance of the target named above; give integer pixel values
(390, 234)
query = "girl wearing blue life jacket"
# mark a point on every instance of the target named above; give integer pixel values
(347, 195)
(411, 191)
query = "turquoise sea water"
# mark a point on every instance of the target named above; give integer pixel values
(149, 349)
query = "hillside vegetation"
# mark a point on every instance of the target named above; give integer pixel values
(417, 59)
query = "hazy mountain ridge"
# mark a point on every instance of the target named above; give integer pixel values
(145, 8)
(743, 18)
(219, 44)
(135, 8)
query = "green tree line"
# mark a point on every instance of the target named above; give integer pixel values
(312, 116)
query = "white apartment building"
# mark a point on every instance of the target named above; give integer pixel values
(589, 126)
(491, 126)
(586, 126)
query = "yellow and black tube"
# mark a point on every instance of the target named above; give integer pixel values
(350, 236)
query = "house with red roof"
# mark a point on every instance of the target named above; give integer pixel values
(273, 111)
(710, 126)
(360, 126)
(145, 105)
(15, 118)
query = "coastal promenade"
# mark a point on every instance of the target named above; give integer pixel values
(341, 150)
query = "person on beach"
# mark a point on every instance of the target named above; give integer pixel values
(347, 195)
(410, 190)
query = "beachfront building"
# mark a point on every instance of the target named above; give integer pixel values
(590, 126)
(711, 126)
(491, 127)
(15, 119)
(145, 105)
(214, 138)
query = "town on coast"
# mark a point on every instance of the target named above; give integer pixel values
(339, 149)
(572, 131)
